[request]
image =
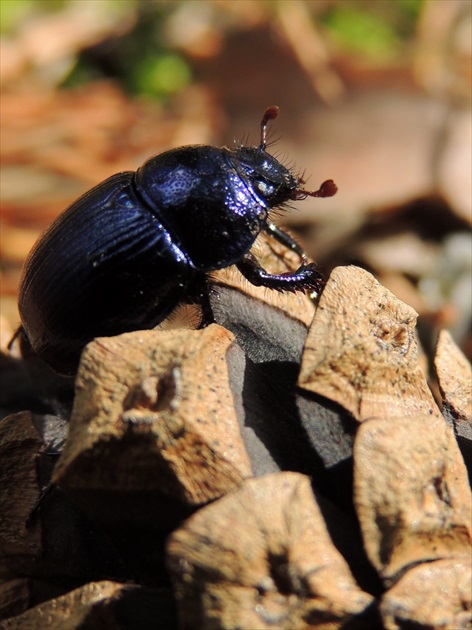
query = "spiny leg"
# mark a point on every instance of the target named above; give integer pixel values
(305, 278)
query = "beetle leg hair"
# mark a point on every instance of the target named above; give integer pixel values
(305, 278)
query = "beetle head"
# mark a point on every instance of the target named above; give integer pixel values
(272, 180)
(274, 183)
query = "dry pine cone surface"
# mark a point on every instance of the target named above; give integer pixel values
(285, 467)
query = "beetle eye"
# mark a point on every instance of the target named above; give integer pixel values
(264, 188)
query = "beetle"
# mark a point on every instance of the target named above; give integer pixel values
(128, 251)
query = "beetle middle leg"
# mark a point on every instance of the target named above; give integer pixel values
(285, 239)
(305, 278)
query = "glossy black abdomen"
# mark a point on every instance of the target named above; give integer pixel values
(104, 267)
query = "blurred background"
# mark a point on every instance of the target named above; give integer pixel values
(374, 94)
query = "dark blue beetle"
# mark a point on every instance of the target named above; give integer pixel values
(128, 251)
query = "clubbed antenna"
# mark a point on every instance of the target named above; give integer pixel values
(270, 114)
(327, 189)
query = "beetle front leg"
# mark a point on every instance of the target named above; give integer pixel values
(305, 278)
